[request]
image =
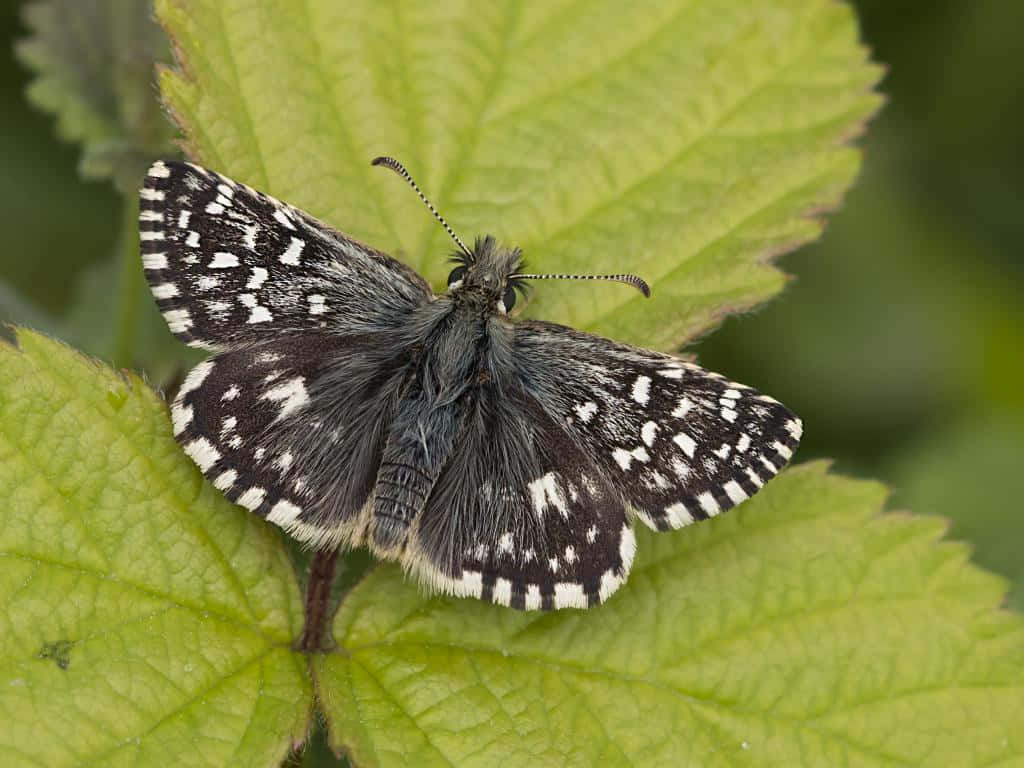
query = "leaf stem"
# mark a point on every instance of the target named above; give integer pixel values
(315, 638)
(126, 321)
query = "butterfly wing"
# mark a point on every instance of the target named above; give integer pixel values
(293, 428)
(520, 515)
(681, 443)
(229, 265)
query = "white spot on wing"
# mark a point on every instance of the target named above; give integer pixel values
(202, 453)
(570, 595)
(222, 260)
(708, 504)
(151, 235)
(291, 395)
(678, 515)
(159, 170)
(685, 442)
(293, 253)
(153, 195)
(648, 432)
(178, 320)
(502, 592)
(181, 416)
(586, 411)
(735, 492)
(183, 218)
(683, 408)
(258, 277)
(544, 492)
(165, 291)
(642, 389)
(214, 209)
(154, 261)
(252, 498)
(283, 219)
(505, 543)
(533, 599)
(470, 585)
(249, 240)
(316, 304)
(283, 513)
(192, 241)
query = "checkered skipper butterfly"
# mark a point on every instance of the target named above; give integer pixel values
(349, 404)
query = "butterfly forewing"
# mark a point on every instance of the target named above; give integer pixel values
(682, 443)
(227, 264)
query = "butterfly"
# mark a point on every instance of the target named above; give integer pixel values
(349, 404)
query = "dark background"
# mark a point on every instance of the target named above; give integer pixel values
(900, 340)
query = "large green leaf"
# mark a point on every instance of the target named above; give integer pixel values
(802, 629)
(145, 619)
(687, 140)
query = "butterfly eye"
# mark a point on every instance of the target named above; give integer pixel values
(456, 275)
(509, 299)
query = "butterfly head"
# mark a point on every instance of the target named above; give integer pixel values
(484, 274)
(489, 274)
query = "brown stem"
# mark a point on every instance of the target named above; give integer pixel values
(315, 637)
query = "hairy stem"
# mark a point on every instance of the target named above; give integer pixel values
(315, 637)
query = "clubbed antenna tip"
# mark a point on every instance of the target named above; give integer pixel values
(397, 167)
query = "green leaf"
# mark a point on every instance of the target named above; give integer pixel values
(802, 629)
(94, 63)
(688, 141)
(145, 619)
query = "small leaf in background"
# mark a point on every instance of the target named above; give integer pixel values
(801, 629)
(146, 620)
(685, 141)
(94, 62)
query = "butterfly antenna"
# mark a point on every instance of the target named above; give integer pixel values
(636, 282)
(397, 167)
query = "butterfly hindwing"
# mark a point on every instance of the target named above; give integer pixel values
(229, 265)
(520, 516)
(293, 428)
(682, 443)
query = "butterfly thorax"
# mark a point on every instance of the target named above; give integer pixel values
(453, 362)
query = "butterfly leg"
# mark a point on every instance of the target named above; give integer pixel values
(419, 446)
